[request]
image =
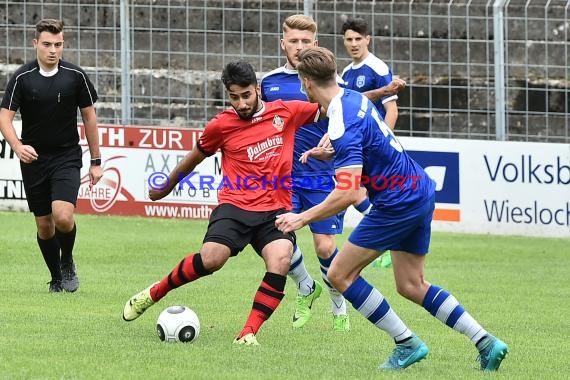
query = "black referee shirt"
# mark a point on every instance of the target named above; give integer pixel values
(48, 105)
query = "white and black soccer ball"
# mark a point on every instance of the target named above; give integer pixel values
(178, 324)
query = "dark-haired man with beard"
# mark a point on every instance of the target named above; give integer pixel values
(256, 142)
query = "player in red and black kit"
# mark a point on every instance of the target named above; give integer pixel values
(256, 141)
(48, 91)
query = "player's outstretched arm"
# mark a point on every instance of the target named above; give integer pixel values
(391, 88)
(319, 153)
(346, 192)
(184, 167)
(323, 151)
(391, 114)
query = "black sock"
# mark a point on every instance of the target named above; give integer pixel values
(403, 340)
(479, 342)
(50, 252)
(66, 241)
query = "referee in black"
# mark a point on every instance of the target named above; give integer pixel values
(48, 91)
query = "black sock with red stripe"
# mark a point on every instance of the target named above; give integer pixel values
(268, 297)
(189, 269)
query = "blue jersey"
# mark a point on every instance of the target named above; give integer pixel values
(369, 74)
(361, 139)
(283, 83)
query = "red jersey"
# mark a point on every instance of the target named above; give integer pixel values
(257, 154)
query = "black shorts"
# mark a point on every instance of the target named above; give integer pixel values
(236, 228)
(52, 177)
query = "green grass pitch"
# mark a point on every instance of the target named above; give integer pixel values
(517, 287)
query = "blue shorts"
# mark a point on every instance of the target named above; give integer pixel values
(403, 231)
(305, 199)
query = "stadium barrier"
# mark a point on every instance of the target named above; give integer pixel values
(510, 188)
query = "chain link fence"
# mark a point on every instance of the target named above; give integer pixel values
(465, 80)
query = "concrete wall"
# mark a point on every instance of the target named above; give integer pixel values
(445, 52)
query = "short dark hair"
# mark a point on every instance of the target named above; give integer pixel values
(358, 24)
(49, 25)
(240, 73)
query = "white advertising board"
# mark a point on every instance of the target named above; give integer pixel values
(512, 188)
(12, 194)
(132, 158)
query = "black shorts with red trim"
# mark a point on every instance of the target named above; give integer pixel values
(236, 228)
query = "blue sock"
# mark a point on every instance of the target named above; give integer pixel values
(445, 307)
(325, 265)
(437, 297)
(359, 295)
(373, 306)
(337, 300)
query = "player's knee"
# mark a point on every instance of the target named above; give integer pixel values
(337, 278)
(213, 264)
(279, 263)
(214, 256)
(411, 290)
(64, 222)
(325, 246)
(404, 290)
(324, 251)
(46, 228)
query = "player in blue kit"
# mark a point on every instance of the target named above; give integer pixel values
(403, 198)
(313, 181)
(366, 71)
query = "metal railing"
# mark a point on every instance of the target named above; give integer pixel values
(483, 69)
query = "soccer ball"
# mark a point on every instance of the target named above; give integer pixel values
(178, 324)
